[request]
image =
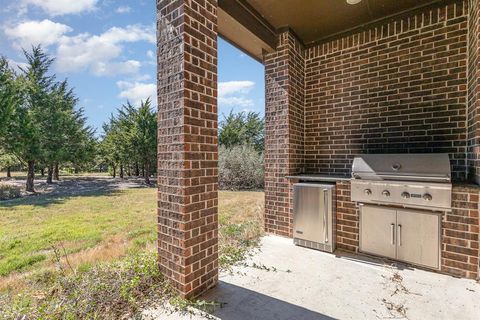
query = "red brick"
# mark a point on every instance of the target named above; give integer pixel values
(187, 144)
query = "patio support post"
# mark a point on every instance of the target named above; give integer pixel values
(187, 144)
(284, 129)
(473, 151)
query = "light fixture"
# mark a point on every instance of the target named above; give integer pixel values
(353, 1)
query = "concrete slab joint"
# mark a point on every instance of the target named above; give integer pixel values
(187, 144)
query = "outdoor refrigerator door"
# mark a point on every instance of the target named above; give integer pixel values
(309, 213)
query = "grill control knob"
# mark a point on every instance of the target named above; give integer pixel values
(405, 195)
(386, 193)
(367, 192)
(427, 197)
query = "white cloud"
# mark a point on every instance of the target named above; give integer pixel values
(137, 91)
(97, 53)
(45, 32)
(152, 58)
(234, 94)
(235, 102)
(113, 68)
(131, 33)
(143, 77)
(15, 65)
(234, 87)
(123, 9)
(62, 7)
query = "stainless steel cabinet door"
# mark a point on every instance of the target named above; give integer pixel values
(309, 209)
(418, 238)
(377, 230)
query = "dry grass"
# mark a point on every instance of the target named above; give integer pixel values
(241, 225)
(94, 267)
(239, 207)
(108, 250)
(104, 227)
(30, 228)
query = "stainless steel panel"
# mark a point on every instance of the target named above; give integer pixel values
(372, 192)
(416, 167)
(418, 237)
(377, 230)
(313, 220)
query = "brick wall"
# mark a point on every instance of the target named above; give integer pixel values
(474, 90)
(187, 144)
(395, 88)
(460, 233)
(348, 219)
(398, 87)
(284, 81)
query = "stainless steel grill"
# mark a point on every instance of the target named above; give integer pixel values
(401, 199)
(409, 180)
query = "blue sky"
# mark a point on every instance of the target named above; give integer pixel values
(106, 49)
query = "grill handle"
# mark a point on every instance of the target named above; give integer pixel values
(403, 177)
(392, 232)
(399, 234)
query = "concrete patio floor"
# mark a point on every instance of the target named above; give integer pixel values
(283, 281)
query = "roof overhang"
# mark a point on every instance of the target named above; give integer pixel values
(252, 25)
(241, 25)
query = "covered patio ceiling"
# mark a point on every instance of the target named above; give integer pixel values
(252, 25)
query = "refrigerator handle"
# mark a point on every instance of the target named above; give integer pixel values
(325, 213)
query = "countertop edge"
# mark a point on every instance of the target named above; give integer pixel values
(307, 177)
(314, 177)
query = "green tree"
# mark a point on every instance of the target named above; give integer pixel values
(24, 132)
(7, 161)
(66, 137)
(242, 129)
(144, 137)
(82, 146)
(130, 138)
(9, 97)
(108, 148)
(44, 126)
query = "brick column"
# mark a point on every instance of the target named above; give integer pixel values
(474, 90)
(284, 129)
(187, 144)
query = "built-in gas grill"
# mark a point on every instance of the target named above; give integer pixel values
(409, 180)
(401, 199)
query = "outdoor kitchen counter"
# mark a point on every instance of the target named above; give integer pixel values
(319, 177)
(466, 185)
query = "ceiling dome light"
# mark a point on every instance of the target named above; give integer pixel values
(353, 1)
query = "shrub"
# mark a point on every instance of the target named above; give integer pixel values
(240, 168)
(9, 191)
(116, 290)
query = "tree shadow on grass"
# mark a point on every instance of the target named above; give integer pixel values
(72, 188)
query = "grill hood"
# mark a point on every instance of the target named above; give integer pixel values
(428, 167)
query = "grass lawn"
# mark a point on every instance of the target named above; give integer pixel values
(104, 226)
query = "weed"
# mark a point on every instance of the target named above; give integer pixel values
(71, 236)
(106, 291)
(196, 307)
(9, 191)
